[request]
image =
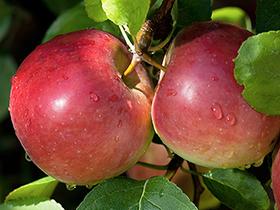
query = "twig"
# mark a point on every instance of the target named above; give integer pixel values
(145, 35)
(198, 188)
(149, 165)
(173, 166)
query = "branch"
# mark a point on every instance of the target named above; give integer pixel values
(145, 36)
(152, 166)
(173, 166)
(198, 188)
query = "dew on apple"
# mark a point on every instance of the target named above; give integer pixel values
(94, 97)
(214, 78)
(217, 111)
(231, 119)
(71, 187)
(89, 186)
(65, 77)
(27, 157)
(117, 138)
(119, 124)
(258, 163)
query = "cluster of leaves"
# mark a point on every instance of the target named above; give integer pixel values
(257, 69)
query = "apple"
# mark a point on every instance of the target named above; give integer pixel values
(198, 110)
(275, 176)
(157, 154)
(74, 114)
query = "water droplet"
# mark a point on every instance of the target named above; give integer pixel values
(161, 193)
(117, 139)
(119, 124)
(214, 78)
(231, 119)
(27, 157)
(171, 92)
(247, 166)
(258, 163)
(113, 98)
(129, 103)
(13, 79)
(94, 97)
(89, 186)
(217, 110)
(65, 77)
(71, 187)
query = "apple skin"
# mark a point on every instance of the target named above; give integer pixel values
(75, 117)
(198, 110)
(275, 176)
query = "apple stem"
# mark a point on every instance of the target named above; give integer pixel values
(198, 188)
(136, 59)
(173, 166)
(150, 165)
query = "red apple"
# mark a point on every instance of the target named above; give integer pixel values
(198, 110)
(275, 176)
(76, 118)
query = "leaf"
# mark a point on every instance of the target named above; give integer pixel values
(267, 15)
(233, 15)
(76, 19)
(123, 193)
(36, 191)
(58, 6)
(95, 11)
(237, 189)
(192, 10)
(5, 18)
(8, 68)
(154, 6)
(257, 69)
(45, 205)
(126, 12)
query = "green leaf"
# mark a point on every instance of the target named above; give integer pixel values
(5, 18)
(237, 189)
(192, 10)
(95, 11)
(39, 190)
(45, 205)
(267, 15)
(7, 69)
(257, 69)
(122, 193)
(127, 12)
(233, 15)
(58, 6)
(154, 6)
(76, 19)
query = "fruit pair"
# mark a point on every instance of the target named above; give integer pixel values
(80, 121)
